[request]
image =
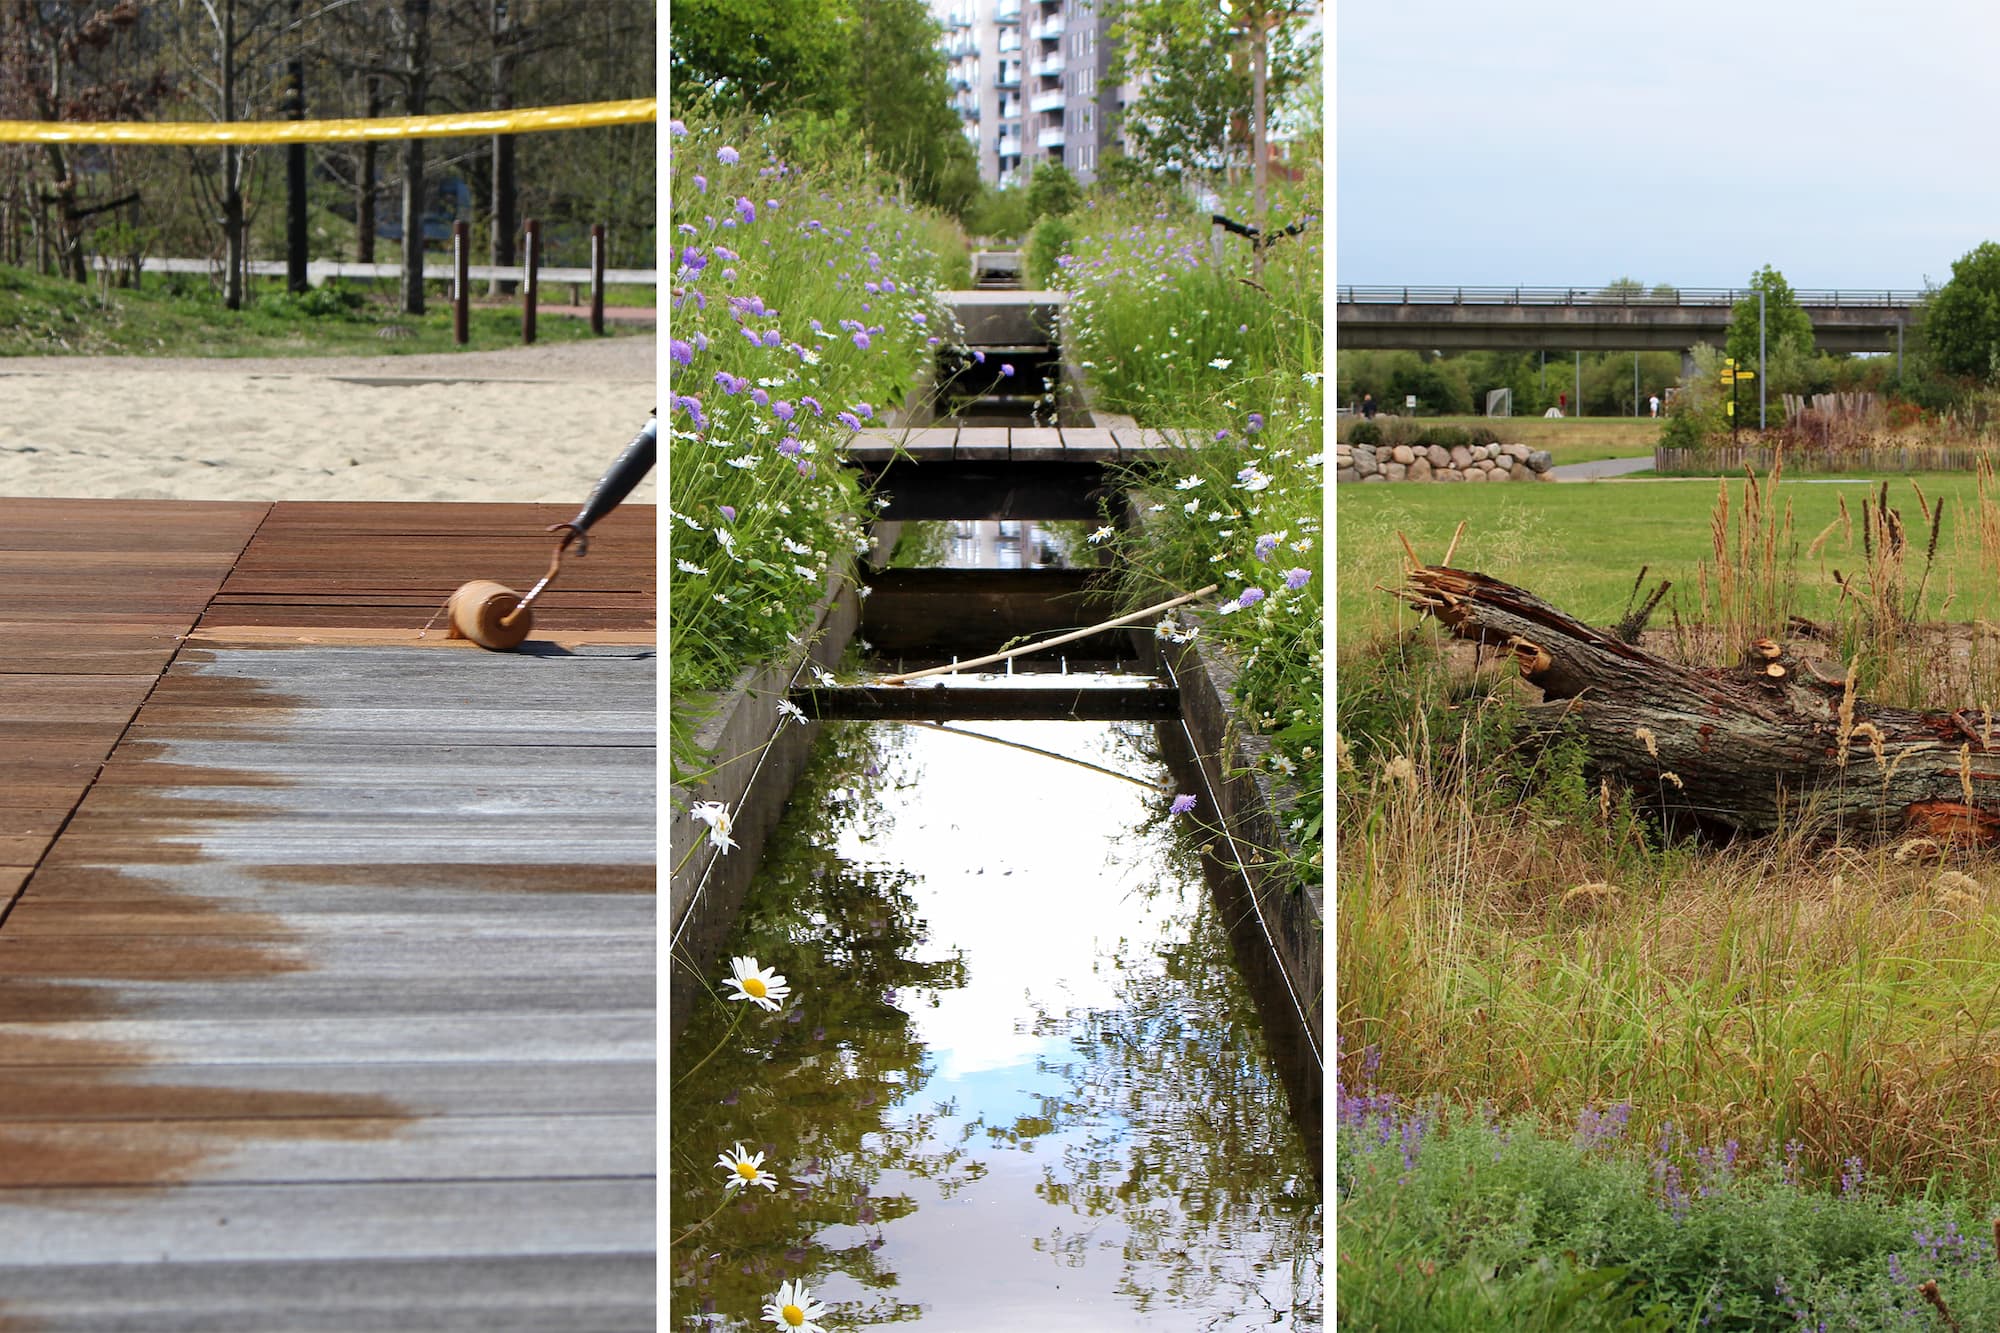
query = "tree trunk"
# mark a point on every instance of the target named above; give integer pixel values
(364, 185)
(416, 49)
(506, 194)
(1260, 137)
(1777, 742)
(232, 170)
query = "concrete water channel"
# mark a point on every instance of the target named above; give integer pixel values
(1051, 1054)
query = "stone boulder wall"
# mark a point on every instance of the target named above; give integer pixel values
(1466, 462)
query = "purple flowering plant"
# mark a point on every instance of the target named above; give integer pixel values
(758, 286)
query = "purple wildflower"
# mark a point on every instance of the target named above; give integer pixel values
(759, 397)
(677, 129)
(864, 410)
(848, 419)
(746, 210)
(772, 337)
(861, 341)
(1006, 370)
(727, 156)
(750, 336)
(1296, 578)
(1266, 544)
(681, 352)
(1250, 597)
(813, 403)
(701, 183)
(979, 356)
(692, 406)
(729, 512)
(1182, 805)
(1222, 434)
(790, 447)
(806, 468)
(1256, 422)
(782, 410)
(693, 260)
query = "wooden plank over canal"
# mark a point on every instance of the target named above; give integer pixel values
(327, 955)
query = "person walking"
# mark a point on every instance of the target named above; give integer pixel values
(1368, 406)
(1654, 402)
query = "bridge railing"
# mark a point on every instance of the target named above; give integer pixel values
(1599, 296)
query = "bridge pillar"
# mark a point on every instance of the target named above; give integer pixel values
(1687, 367)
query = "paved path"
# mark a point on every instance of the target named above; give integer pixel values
(1601, 468)
(327, 954)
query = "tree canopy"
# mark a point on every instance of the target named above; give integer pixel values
(866, 67)
(1787, 329)
(1961, 320)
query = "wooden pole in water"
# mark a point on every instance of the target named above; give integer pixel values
(1070, 637)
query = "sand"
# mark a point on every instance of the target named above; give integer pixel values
(526, 424)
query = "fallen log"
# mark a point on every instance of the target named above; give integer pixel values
(1772, 742)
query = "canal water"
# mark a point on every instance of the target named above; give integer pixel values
(1016, 1084)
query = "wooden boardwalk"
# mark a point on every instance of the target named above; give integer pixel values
(950, 443)
(327, 964)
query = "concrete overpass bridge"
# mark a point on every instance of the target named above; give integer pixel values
(1577, 319)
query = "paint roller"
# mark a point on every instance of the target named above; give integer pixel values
(495, 616)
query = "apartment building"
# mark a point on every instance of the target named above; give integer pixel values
(1028, 77)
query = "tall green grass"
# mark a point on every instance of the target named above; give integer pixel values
(1181, 334)
(803, 311)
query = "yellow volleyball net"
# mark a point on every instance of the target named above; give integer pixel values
(458, 125)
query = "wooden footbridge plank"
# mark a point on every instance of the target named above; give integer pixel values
(326, 986)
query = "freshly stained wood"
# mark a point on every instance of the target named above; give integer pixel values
(343, 965)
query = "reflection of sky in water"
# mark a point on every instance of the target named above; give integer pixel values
(1044, 876)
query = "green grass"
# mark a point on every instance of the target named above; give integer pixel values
(1580, 545)
(46, 316)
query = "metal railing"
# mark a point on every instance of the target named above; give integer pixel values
(1599, 296)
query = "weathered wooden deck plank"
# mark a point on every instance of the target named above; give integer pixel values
(1035, 444)
(606, 1293)
(445, 1219)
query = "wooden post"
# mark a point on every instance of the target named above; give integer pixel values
(461, 285)
(597, 278)
(533, 248)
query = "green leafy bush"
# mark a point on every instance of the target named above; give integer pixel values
(1445, 437)
(1366, 433)
(1052, 235)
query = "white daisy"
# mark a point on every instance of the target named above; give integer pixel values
(690, 567)
(792, 711)
(760, 985)
(716, 815)
(1103, 534)
(794, 1308)
(745, 1171)
(1220, 363)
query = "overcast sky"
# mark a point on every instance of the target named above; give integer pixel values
(1571, 142)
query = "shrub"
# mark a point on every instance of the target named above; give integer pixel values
(1445, 437)
(1366, 432)
(1052, 236)
(1485, 435)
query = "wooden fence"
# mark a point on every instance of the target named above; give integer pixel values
(1920, 458)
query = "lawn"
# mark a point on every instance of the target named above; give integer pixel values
(1580, 545)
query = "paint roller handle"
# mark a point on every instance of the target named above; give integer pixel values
(630, 469)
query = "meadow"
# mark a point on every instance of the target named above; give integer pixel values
(1598, 1073)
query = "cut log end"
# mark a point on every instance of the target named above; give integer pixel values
(1768, 649)
(1776, 671)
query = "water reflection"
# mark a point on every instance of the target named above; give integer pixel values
(1019, 1084)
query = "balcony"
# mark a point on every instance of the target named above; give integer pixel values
(1010, 40)
(1009, 148)
(1007, 11)
(1007, 78)
(1050, 138)
(1049, 29)
(1010, 108)
(958, 19)
(1047, 101)
(1049, 67)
